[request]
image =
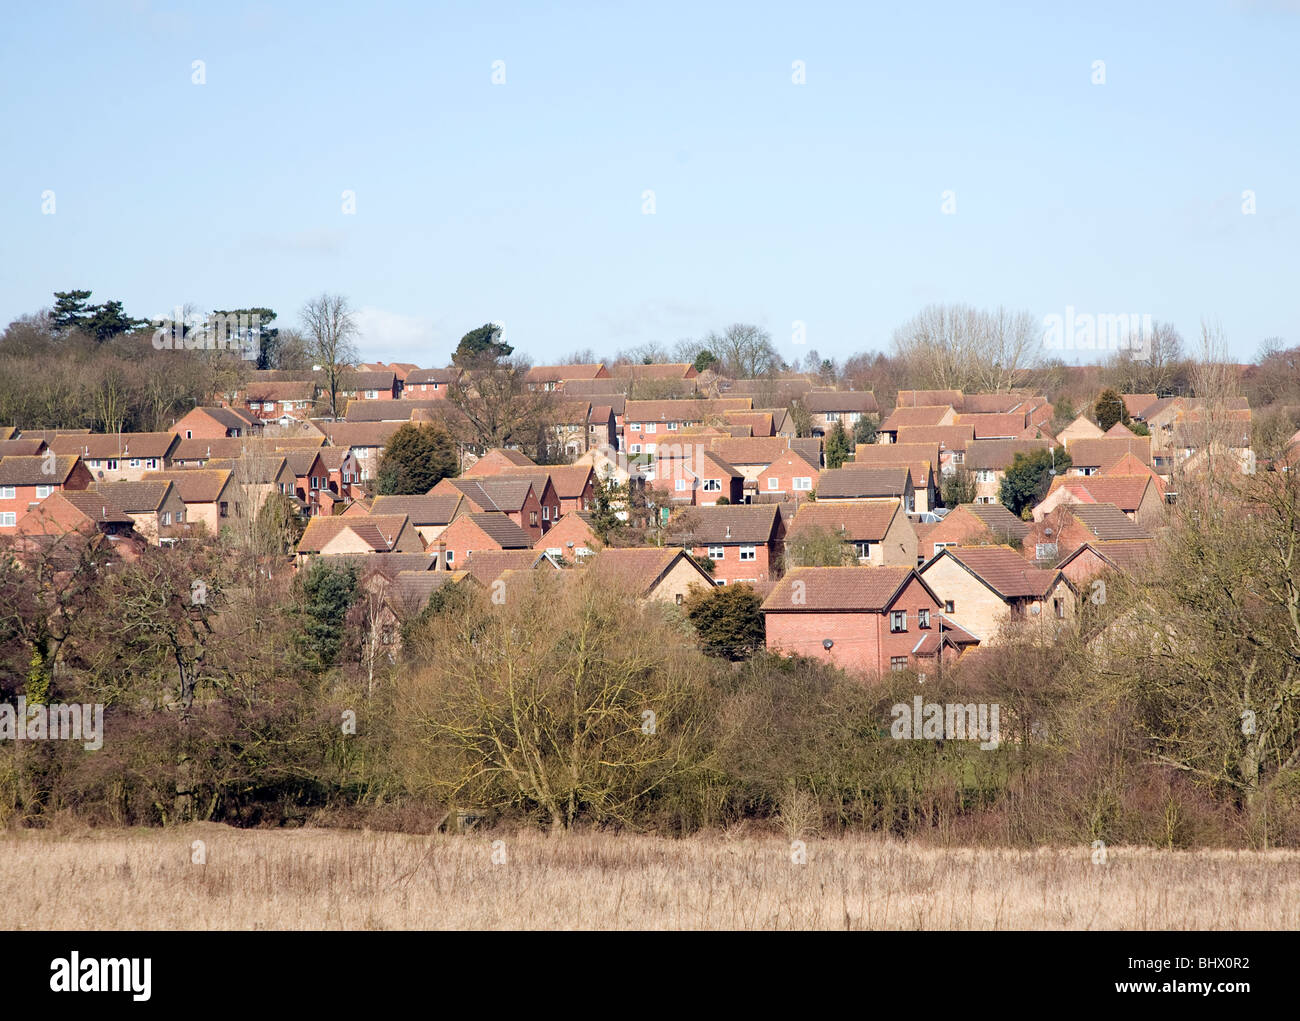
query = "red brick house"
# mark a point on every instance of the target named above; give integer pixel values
(514, 497)
(215, 424)
(478, 531)
(430, 384)
(974, 524)
(496, 461)
(1063, 530)
(26, 481)
(76, 511)
(571, 538)
(790, 474)
(867, 620)
(647, 424)
(744, 543)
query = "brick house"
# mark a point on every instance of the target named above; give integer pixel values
(879, 532)
(513, 497)
(790, 474)
(657, 575)
(79, 511)
(867, 620)
(274, 402)
(908, 416)
(692, 476)
(215, 423)
(496, 461)
(154, 505)
(829, 407)
(477, 531)
(25, 481)
(858, 483)
(366, 440)
(570, 539)
(373, 533)
(974, 524)
(988, 461)
(429, 514)
(1067, 527)
(553, 377)
(744, 543)
(210, 496)
(429, 384)
(1093, 558)
(118, 457)
(650, 423)
(381, 385)
(1138, 496)
(983, 588)
(922, 459)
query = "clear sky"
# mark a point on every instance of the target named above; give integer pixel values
(774, 202)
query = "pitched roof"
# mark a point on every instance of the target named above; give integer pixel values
(738, 523)
(691, 410)
(388, 411)
(921, 458)
(818, 402)
(489, 564)
(321, 530)
(861, 522)
(998, 455)
(195, 485)
(995, 426)
(639, 570)
(1106, 521)
(928, 398)
(1124, 491)
(114, 445)
(1102, 452)
(862, 482)
(136, 497)
(381, 379)
(1125, 555)
(503, 492)
(659, 370)
(1002, 569)
(300, 461)
(749, 449)
(94, 506)
(432, 376)
(359, 434)
(202, 450)
(925, 415)
(501, 530)
(999, 520)
(950, 437)
(846, 589)
(991, 404)
(25, 470)
(251, 468)
(809, 448)
(22, 448)
(426, 509)
(411, 589)
(555, 373)
(1137, 404)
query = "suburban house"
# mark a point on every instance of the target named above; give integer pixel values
(118, 457)
(553, 377)
(922, 459)
(988, 461)
(750, 455)
(757, 423)
(490, 565)
(197, 453)
(658, 575)
(878, 530)
(79, 511)
(791, 474)
(276, 402)
(693, 476)
(1096, 456)
(258, 475)
(514, 497)
(496, 461)
(543, 482)
(1070, 525)
(952, 441)
(1093, 558)
(155, 506)
(570, 539)
(23, 448)
(26, 480)
(650, 423)
(868, 620)
(429, 383)
(983, 588)
(360, 385)
(858, 483)
(826, 408)
(974, 524)
(476, 531)
(373, 533)
(745, 543)
(901, 417)
(215, 424)
(1082, 428)
(366, 440)
(603, 425)
(429, 513)
(1138, 496)
(210, 496)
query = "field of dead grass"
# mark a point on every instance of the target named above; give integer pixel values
(340, 879)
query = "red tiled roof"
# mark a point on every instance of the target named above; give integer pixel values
(847, 589)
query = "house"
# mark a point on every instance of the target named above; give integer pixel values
(1131, 557)
(1007, 426)
(25, 481)
(750, 455)
(154, 505)
(257, 474)
(1082, 428)
(858, 483)
(553, 377)
(988, 461)
(215, 423)
(759, 423)
(571, 538)
(1067, 527)
(930, 399)
(514, 497)
(660, 370)
(373, 533)
(879, 531)
(826, 408)
(1138, 496)
(810, 449)
(496, 461)
(357, 384)
(922, 459)
(867, 620)
(489, 565)
(952, 441)
(745, 543)
(543, 483)
(791, 474)
(277, 402)
(568, 422)
(476, 531)
(982, 588)
(23, 448)
(429, 513)
(429, 384)
(1095, 456)
(118, 457)
(311, 479)
(693, 476)
(649, 423)
(1137, 404)
(81, 511)
(196, 453)
(603, 426)
(210, 496)
(342, 471)
(366, 440)
(974, 524)
(902, 417)
(656, 575)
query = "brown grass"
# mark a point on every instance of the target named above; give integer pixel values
(334, 879)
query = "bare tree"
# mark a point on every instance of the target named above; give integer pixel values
(331, 330)
(956, 347)
(746, 351)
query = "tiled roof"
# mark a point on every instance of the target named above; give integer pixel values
(381, 380)
(951, 437)
(388, 411)
(991, 427)
(928, 398)
(684, 410)
(900, 417)
(432, 376)
(202, 450)
(1106, 521)
(861, 522)
(21, 448)
(861, 482)
(1124, 491)
(999, 520)
(1137, 404)
(492, 492)
(809, 448)
(998, 455)
(21, 470)
(662, 370)
(195, 485)
(554, 373)
(921, 458)
(818, 402)
(488, 565)
(1104, 451)
(320, 530)
(135, 497)
(427, 509)
(1003, 570)
(359, 434)
(501, 530)
(229, 418)
(847, 589)
(259, 392)
(99, 446)
(736, 524)
(96, 506)
(751, 449)
(637, 570)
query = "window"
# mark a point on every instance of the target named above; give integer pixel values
(166, 517)
(1058, 607)
(898, 620)
(43, 491)
(135, 462)
(532, 518)
(555, 513)
(958, 457)
(943, 545)
(554, 551)
(635, 448)
(680, 485)
(152, 463)
(862, 549)
(985, 475)
(672, 427)
(832, 416)
(897, 663)
(112, 465)
(634, 425)
(8, 519)
(650, 448)
(1045, 550)
(748, 553)
(716, 552)
(949, 606)
(372, 395)
(223, 509)
(773, 482)
(315, 482)
(721, 581)
(854, 416)
(189, 434)
(8, 493)
(803, 483)
(451, 556)
(713, 485)
(678, 599)
(651, 427)
(546, 513)
(923, 619)
(180, 516)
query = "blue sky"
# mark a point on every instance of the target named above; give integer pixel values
(774, 202)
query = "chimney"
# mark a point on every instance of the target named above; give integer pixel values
(441, 562)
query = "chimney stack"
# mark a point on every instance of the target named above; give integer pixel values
(441, 564)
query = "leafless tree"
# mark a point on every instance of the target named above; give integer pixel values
(963, 348)
(331, 331)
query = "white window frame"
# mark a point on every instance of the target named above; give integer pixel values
(748, 554)
(712, 486)
(43, 491)
(8, 492)
(8, 519)
(802, 483)
(897, 622)
(773, 482)
(717, 552)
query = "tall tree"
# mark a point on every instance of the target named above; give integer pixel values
(962, 348)
(416, 458)
(331, 333)
(71, 310)
(1110, 408)
(1027, 480)
(481, 345)
(839, 448)
(497, 405)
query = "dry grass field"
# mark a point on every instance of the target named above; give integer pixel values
(338, 879)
